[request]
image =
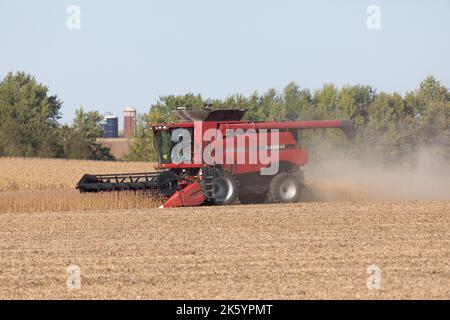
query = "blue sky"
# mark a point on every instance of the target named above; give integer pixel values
(128, 53)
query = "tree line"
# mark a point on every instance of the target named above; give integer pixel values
(390, 126)
(29, 124)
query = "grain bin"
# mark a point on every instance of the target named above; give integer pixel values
(111, 127)
(129, 122)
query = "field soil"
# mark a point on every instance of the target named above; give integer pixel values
(126, 248)
(298, 251)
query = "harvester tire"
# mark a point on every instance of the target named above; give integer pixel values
(225, 189)
(286, 187)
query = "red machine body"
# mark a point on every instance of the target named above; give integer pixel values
(239, 153)
(223, 160)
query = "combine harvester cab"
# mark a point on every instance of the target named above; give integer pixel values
(212, 157)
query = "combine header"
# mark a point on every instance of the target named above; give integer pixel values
(213, 157)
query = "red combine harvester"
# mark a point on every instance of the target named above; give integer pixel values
(214, 157)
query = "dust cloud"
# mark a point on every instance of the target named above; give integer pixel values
(340, 177)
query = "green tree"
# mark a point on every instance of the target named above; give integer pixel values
(430, 107)
(297, 103)
(162, 111)
(79, 141)
(353, 103)
(142, 148)
(387, 135)
(28, 118)
(250, 104)
(265, 107)
(325, 101)
(390, 127)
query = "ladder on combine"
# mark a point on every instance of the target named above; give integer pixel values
(209, 173)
